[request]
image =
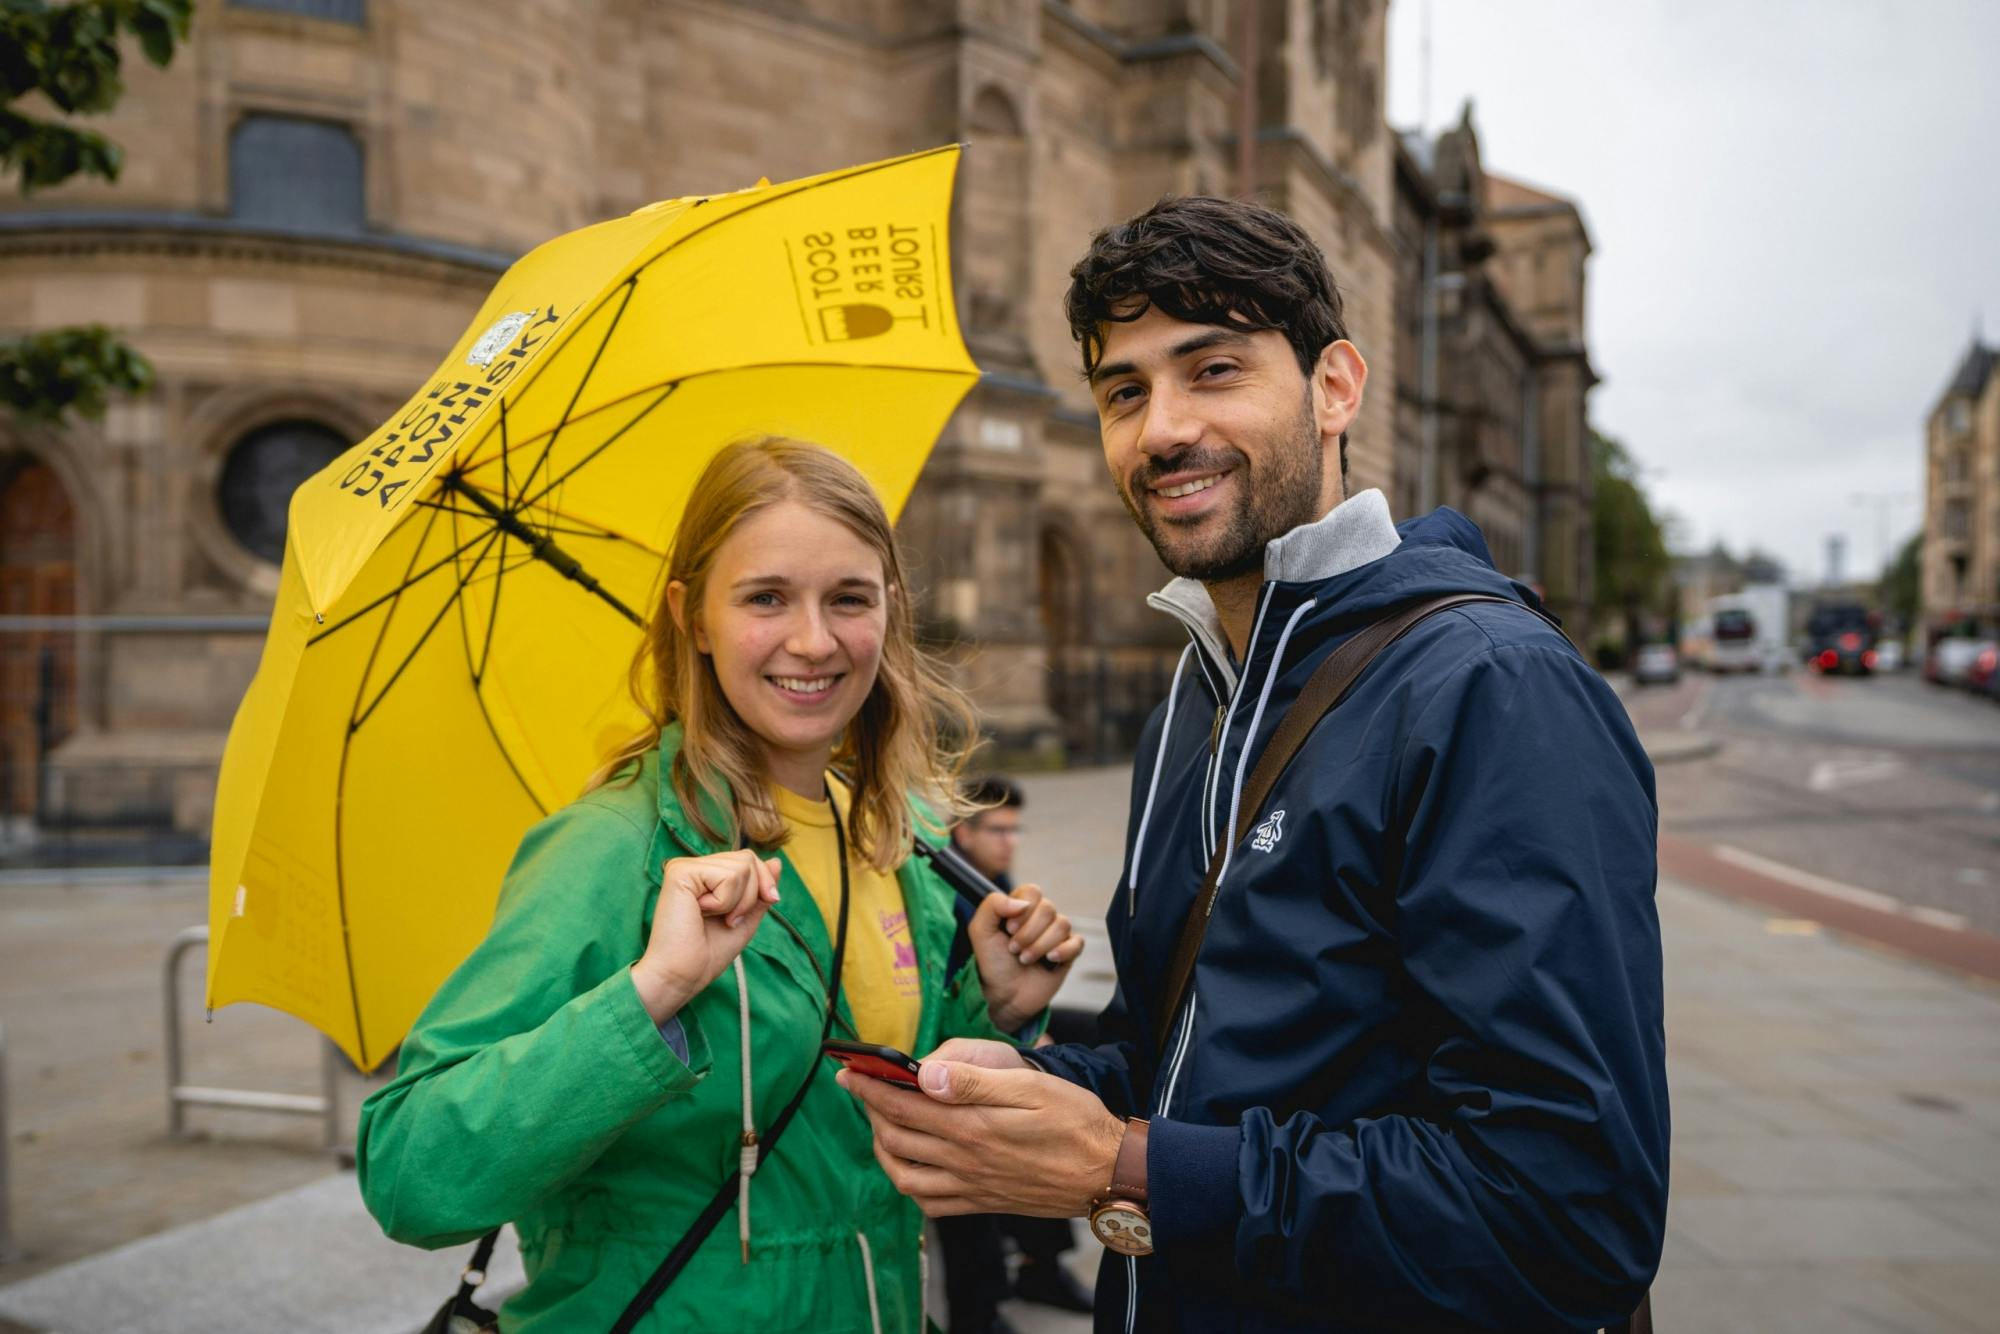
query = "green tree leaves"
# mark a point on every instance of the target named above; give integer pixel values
(1630, 550)
(68, 56)
(45, 376)
(1901, 586)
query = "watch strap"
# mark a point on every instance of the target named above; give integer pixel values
(1128, 1173)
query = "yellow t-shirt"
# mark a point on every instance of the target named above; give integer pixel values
(879, 974)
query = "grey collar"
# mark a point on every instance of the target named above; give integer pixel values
(1355, 532)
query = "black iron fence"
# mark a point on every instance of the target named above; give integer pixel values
(1103, 697)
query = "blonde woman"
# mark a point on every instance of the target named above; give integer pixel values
(648, 1007)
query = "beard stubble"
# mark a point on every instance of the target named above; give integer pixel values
(1274, 496)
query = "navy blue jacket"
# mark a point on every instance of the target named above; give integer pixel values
(1419, 1082)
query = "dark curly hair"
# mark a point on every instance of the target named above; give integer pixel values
(1208, 261)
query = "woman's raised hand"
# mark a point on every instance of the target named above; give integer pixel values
(1011, 935)
(709, 907)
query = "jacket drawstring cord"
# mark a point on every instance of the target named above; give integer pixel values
(747, 1157)
(868, 1276)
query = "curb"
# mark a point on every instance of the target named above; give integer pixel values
(1896, 926)
(1675, 747)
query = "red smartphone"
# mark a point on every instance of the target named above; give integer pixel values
(865, 1058)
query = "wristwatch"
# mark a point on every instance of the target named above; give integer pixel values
(1118, 1217)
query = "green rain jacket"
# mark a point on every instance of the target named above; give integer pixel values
(535, 1089)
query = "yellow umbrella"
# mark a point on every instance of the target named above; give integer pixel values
(462, 591)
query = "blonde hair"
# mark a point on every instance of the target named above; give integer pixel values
(912, 733)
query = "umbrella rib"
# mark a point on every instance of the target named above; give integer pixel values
(394, 596)
(479, 675)
(506, 501)
(586, 528)
(416, 648)
(397, 591)
(665, 393)
(340, 790)
(505, 754)
(464, 629)
(548, 446)
(499, 578)
(553, 529)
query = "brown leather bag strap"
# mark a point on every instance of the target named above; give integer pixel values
(1639, 1322)
(1328, 685)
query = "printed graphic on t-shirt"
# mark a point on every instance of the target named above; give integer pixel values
(896, 930)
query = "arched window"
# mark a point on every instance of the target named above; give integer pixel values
(296, 174)
(260, 474)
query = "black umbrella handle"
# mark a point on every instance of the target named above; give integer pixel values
(964, 877)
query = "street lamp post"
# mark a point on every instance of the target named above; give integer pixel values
(1882, 503)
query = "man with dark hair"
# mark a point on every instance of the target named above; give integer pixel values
(991, 836)
(1387, 1049)
(975, 1265)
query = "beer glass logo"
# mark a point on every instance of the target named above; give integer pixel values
(858, 319)
(862, 281)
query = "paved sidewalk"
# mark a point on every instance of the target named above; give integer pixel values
(1836, 1136)
(1836, 1132)
(90, 1164)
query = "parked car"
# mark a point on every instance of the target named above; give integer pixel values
(1985, 669)
(1889, 656)
(1656, 664)
(1951, 659)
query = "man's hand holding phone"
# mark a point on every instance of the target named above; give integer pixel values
(990, 1134)
(865, 1058)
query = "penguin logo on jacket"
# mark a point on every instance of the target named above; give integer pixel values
(1269, 832)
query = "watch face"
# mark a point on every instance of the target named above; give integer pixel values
(1123, 1227)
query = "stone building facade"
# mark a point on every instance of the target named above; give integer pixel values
(1493, 371)
(319, 192)
(1961, 565)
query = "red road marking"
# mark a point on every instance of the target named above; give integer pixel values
(1969, 950)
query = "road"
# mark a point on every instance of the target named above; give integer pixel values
(1884, 784)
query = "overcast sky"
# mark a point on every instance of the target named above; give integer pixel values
(1796, 211)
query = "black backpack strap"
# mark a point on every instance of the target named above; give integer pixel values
(461, 1305)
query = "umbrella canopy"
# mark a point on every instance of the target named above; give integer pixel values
(463, 591)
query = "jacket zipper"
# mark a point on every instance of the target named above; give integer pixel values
(1230, 812)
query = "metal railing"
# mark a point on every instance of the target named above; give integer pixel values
(180, 1096)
